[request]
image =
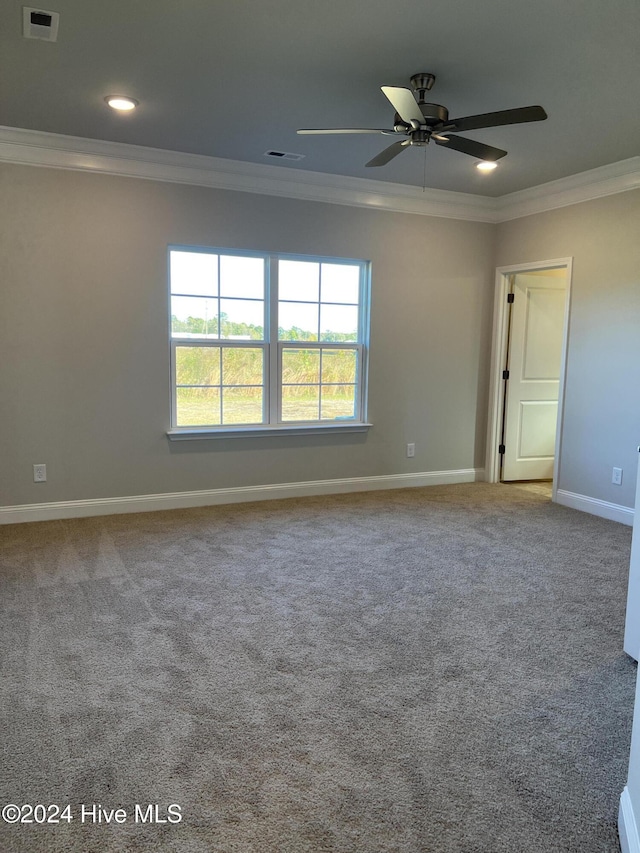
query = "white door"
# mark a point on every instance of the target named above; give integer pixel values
(632, 624)
(535, 353)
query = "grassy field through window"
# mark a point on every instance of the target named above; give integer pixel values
(201, 406)
(224, 385)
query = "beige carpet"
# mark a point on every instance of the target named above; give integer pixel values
(419, 670)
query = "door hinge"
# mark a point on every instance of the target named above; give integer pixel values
(510, 297)
(505, 374)
(501, 449)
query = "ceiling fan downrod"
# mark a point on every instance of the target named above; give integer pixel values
(433, 114)
(422, 83)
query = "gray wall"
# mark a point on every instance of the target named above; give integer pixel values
(85, 360)
(602, 404)
(84, 376)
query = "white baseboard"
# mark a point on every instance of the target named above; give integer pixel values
(614, 512)
(627, 826)
(211, 497)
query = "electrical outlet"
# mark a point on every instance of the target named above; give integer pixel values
(40, 473)
(616, 477)
(411, 450)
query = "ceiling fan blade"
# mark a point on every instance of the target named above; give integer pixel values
(388, 154)
(308, 130)
(474, 149)
(502, 117)
(404, 103)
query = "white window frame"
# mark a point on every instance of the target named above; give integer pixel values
(273, 350)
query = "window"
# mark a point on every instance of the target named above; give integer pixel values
(266, 342)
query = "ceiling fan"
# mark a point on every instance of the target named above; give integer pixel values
(421, 122)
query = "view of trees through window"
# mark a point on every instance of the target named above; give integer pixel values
(220, 331)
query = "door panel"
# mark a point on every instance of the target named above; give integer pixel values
(543, 330)
(537, 429)
(535, 351)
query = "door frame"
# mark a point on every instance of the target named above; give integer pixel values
(499, 358)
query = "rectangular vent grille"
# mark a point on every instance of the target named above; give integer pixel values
(283, 155)
(38, 24)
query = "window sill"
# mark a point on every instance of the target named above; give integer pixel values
(196, 434)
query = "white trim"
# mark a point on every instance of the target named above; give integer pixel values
(574, 189)
(36, 148)
(211, 497)
(499, 357)
(204, 433)
(627, 826)
(614, 512)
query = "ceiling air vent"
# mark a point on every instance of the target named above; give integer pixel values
(283, 155)
(38, 24)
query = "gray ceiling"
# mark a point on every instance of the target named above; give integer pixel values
(235, 78)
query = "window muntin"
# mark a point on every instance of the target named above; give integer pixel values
(266, 340)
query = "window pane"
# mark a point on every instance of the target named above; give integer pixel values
(242, 406)
(242, 366)
(338, 323)
(338, 402)
(242, 277)
(340, 283)
(197, 365)
(300, 403)
(194, 273)
(197, 406)
(299, 280)
(297, 322)
(339, 365)
(194, 316)
(301, 366)
(242, 319)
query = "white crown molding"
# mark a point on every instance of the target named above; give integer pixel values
(36, 148)
(585, 186)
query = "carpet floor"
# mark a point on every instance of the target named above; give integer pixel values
(434, 670)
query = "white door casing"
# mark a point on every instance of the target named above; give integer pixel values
(535, 358)
(632, 622)
(499, 358)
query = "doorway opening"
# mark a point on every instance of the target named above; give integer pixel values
(526, 394)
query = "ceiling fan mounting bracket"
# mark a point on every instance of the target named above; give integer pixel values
(421, 83)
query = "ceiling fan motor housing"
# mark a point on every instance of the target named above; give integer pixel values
(434, 113)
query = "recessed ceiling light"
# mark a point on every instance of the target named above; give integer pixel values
(121, 103)
(486, 166)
